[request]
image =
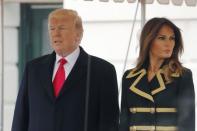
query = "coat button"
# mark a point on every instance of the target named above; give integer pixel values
(152, 128)
(134, 110)
(134, 128)
(152, 110)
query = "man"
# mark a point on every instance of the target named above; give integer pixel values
(67, 90)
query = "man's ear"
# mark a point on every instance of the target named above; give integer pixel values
(79, 36)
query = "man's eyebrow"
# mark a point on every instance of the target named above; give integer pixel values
(58, 26)
(161, 35)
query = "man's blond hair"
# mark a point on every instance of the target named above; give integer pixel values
(72, 14)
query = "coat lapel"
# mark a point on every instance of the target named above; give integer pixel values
(145, 89)
(45, 74)
(78, 72)
(157, 84)
(140, 84)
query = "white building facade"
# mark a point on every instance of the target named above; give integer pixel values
(107, 28)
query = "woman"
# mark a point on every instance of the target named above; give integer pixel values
(158, 94)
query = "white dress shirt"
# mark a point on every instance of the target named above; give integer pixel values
(71, 60)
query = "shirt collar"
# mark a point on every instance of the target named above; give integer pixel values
(71, 58)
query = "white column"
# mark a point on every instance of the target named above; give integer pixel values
(1, 65)
(143, 12)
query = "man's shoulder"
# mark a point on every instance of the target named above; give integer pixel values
(102, 67)
(100, 61)
(40, 60)
(95, 60)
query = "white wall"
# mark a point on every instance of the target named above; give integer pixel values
(107, 27)
(11, 24)
(110, 40)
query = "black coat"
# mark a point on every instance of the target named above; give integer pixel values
(37, 109)
(156, 105)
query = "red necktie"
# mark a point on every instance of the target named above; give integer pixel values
(59, 77)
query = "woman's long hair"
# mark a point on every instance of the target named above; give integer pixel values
(149, 33)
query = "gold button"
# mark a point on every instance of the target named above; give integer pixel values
(152, 128)
(134, 128)
(134, 110)
(152, 110)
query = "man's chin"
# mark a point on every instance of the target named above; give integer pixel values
(61, 53)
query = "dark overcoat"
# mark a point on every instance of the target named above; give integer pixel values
(157, 105)
(37, 109)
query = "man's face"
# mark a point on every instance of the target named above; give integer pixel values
(63, 34)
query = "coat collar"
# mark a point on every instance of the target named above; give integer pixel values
(142, 87)
(78, 72)
(45, 71)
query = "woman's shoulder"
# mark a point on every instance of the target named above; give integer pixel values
(186, 72)
(133, 72)
(128, 71)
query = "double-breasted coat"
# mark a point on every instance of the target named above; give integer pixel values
(157, 105)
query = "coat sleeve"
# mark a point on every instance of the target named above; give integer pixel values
(186, 102)
(109, 109)
(124, 109)
(20, 119)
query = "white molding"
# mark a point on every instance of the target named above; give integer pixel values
(35, 1)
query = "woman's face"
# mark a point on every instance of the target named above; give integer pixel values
(162, 46)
